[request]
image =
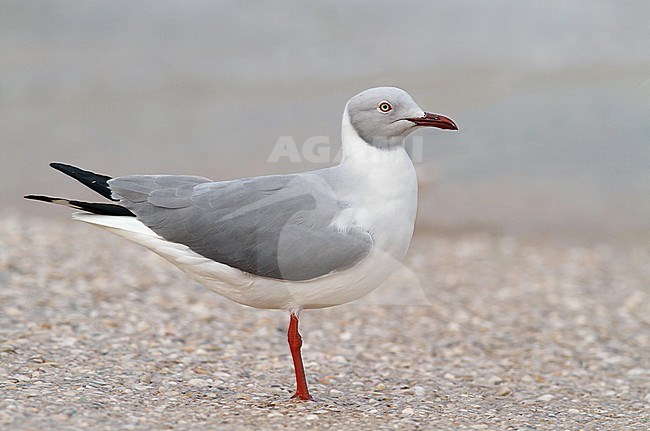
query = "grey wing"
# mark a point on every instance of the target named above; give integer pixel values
(275, 226)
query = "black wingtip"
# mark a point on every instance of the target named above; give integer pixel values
(92, 207)
(65, 168)
(41, 198)
(71, 170)
(97, 182)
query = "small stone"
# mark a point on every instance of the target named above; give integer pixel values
(545, 397)
(198, 382)
(12, 311)
(274, 415)
(494, 380)
(311, 418)
(5, 418)
(20, 377)
(478, 427)
(381, 387)
(335, 393)
(60, 417)
(419, 391)
(408, 412)
(504, 391)
(449, 376)
(573, 411)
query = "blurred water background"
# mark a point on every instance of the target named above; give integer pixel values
(552, 99)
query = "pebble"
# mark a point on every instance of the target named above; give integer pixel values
(546, 397)
(419, 391)
(20, 378)
(198, 382)
(494, 380)
(504, 391)
(311, 418)
(140, 387)
(408, 411)
(5, 418)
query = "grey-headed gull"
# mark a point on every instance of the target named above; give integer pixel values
(291, 242)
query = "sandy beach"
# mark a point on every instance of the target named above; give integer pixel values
(475, 332)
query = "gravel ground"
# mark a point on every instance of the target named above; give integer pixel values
(475, 332)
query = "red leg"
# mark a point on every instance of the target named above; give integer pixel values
(295, 343)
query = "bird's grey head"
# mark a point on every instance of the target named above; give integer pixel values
(384, 116)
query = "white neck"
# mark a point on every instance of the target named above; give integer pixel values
(381, 183)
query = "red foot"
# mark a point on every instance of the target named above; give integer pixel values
(302, 397)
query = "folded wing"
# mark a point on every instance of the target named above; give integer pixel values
(275, 226)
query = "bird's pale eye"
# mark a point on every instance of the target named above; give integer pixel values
(384, 107)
